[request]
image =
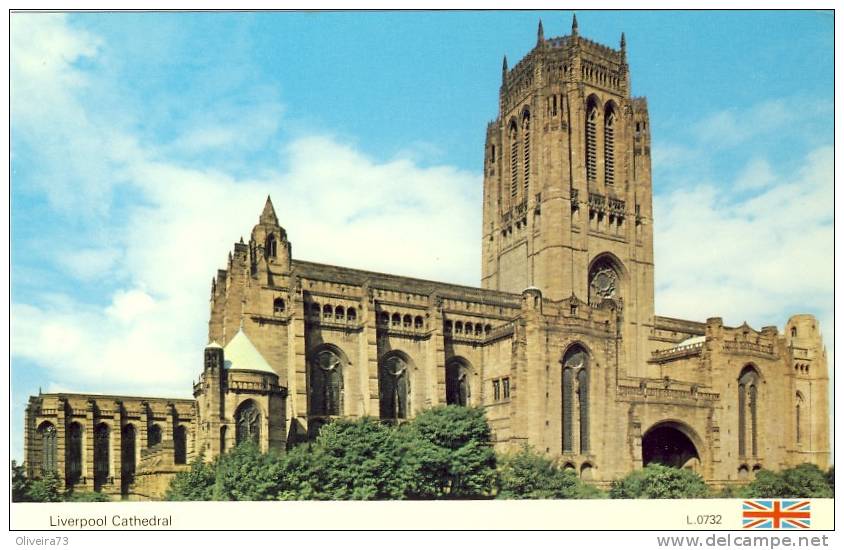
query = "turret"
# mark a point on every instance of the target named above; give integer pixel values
(269, 248)
(214, 359)
(209, 394)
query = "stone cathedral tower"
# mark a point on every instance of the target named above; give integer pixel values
(567, 182)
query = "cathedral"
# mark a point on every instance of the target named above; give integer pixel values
(560, 343)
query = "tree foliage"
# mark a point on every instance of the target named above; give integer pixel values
(246, 473)
(349, 460)
(451, 453)
(830, 479)
(46, 488)
(444, 452)
(803, 481)
(20, 484)
(86, 496)
(658, 481)
(528, 474)
(194, 484)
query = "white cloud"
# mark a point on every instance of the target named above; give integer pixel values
(229, 129)
(748, 258)
(755, 175)
(88, 263)
(77, 149)
(338, 206)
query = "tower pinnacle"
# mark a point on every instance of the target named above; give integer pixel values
(574, 24)
(268, 215)
(540, 33)
(623, 42)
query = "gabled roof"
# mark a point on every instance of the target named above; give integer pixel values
(241, 354)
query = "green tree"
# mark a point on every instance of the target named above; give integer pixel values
(194, 484)
(350, 460)
(527, 474)
(20, 483)
(450, 449)
(47, 488)
(803, 481)
(245, 473)
(300, 475)
(86, 496)
(830, 479)
(658, 481)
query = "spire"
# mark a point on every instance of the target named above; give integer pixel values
(574, 24)
(504, 67)
(623, 42)
(540, 33)
(504, 72)
(268, 215)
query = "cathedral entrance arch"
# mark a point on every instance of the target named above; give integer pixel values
(670, 444)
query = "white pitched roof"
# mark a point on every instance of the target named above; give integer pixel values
(241, 354)
(691, 341)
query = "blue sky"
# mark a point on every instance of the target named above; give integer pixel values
(143, 146)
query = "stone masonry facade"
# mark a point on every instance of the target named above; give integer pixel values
(560, 344)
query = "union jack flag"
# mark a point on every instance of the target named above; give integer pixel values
(776, 514)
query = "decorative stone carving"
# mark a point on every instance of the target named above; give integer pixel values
(603, 284)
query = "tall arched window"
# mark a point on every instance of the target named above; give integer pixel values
(583, 399)
(514, 159)
(248, 420)
(609, 146)
(47, 435)
(272, 246)
(102, 455)
(747, 408)
(326, 383)
(127, 457)
(73, 454)
(180, 445)
(526, 150)
(457, 383)
(568, 410)
(575, 401)
(797, 421)
(154, 435)
(591, 142)
(394, 387)
(603, 281)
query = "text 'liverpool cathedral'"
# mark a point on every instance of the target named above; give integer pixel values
(560, 344)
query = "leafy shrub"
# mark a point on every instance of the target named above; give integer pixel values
(194, 484)
(528, 474)
(450, 451)
(245, 473)
(803, 481)
(86, 496)
(658, 481)
(45, 489)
